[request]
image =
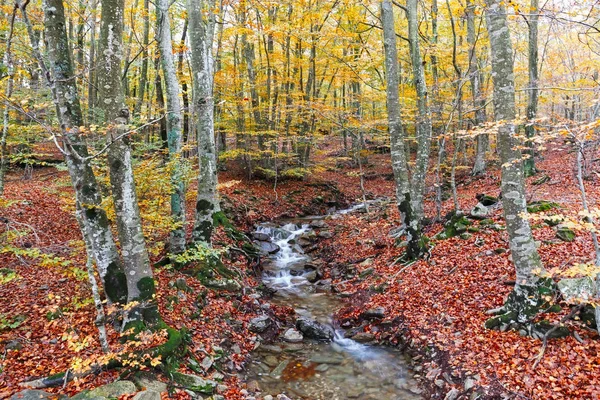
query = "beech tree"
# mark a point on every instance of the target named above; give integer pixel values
(409, 218)
(201, 29)
(526, 299)
(136, 263)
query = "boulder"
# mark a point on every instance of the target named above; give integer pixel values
(325, 234)
(565, 234)
(145, 381)
(260, 236)
(114, 389)
(229, 285)
(312, 276)
(374, 313)
(363, 337)
(29, 394)
(292, 336)
(541, 205)
(480, 212)
(314, 330)
(147, 395)
(195, 383)
(486, 200)
(267, 248)
(318, 224)
(576, 290)
(260, 324)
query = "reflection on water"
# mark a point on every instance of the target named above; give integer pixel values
(342, 369)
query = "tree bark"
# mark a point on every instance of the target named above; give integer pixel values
(8, 62)
(522, 244)
(201, 28)
(143, 82)
(140, 282)
(61, 80)
(478, 101)
(423, 128)
(409, 219)
(532, 93)
(174, 120)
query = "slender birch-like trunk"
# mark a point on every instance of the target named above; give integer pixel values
(143, 82)
(140, 282)
(399, 161)
(60, 78)
(8, 62)
(201, 28)
(174, 120)
(478, 101)
(533, 92)
(423, 128)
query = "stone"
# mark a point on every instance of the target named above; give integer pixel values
(452, 394)
(29, 394)
(314, 330)
(325, 234)
(147, 395)
(148, 382)
(267, 248)
(469, 383)
(480, 212)
(206, 363)
(114, 389)
(13, 345)
(260, 324)
(565, 234)
(195, 383)
(466, 236)
(293, 336)
(575, 290)
(229, 285)
(541, 205)
(486, 199)
(260, 236)
(318, 224)
(268, 397)
(276, 373)
(375, 313)
(282, 397)
(363, 337)
(312, 276)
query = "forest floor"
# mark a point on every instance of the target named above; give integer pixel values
(434, 308)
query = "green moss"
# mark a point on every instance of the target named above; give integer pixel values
(565, 234)
(115, 283)
(147, 288)
(539, 206)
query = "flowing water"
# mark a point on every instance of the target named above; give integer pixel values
(342, 369)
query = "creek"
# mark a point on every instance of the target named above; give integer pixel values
(312, 370)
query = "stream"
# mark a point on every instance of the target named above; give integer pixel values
(311, 370)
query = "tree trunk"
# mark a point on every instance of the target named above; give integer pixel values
(409, 219)
(532, 93)
(478, 101)
(140, 283)
(423, 128)
(144, 72)
(201, 27)
(522, 245)
(8, 62)
(174, 119)
(87, 194)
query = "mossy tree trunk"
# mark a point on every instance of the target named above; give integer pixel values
(409, 218)
(201, 28)
(61, 80)
(140, 282)
(423, 127)
(522, 245)
(174, 128)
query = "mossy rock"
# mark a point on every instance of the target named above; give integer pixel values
(194, 383)
(466, 236)
(487, 200)
(565, 234)
(541, 205)
(112, 390)
(486, 222)
(456, 225)
(553, 220)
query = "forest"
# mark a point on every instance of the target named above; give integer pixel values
(299, 199)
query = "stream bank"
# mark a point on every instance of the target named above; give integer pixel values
(317, 358)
